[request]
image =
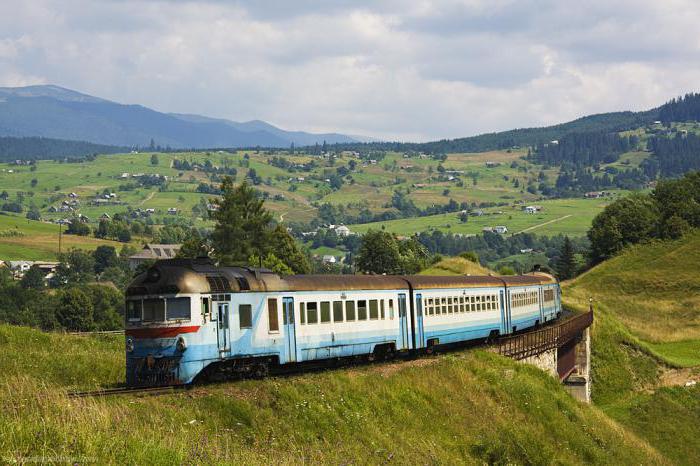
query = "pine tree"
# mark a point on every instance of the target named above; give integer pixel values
(566, 264)
(242, 224)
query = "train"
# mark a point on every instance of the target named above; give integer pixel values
(189, 319)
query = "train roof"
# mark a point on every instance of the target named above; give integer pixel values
(202, 276)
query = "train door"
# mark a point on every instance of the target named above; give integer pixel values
(290, 335)
(419, 322)
(404, 341)
(505, 313)
(222, 333)
(540, 295)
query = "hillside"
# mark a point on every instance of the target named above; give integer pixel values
(430, 410)
(646, 341)
(54, 112)
(456, 266)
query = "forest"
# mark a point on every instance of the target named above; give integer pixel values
(38, 148)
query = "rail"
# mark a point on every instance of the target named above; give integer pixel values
(126, 391)
(545, 339)
(97, 332)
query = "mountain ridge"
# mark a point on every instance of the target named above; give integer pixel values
(55, 112)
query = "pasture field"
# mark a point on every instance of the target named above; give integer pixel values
(294, 194)
(646, 341)
(558, 216)
(389, 412)
(32, 240)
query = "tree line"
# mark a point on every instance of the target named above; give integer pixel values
(38, 148)
(668, 212)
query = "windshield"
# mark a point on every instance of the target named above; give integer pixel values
(158, 309)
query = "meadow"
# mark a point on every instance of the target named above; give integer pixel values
(558, 216)
(646, 341)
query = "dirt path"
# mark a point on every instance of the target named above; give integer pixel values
(148, 198)
(545, 223)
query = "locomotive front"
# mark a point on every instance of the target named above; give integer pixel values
(163, 326)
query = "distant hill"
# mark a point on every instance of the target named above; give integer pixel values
(523, 137)
(54, 112)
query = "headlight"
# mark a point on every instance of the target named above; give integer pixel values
(181, 345)
(129, 345)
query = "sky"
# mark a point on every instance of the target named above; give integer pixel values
(409, 70)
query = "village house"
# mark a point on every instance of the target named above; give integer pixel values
(152, 252)
(172, 211)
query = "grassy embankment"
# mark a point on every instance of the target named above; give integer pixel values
(471, 407)
(646, 342)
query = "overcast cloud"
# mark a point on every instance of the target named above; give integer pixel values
(405, 70)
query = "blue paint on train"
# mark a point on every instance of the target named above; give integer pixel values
(267, 326)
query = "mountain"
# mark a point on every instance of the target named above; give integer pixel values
(54, 112)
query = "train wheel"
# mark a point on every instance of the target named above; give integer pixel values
(261, 370)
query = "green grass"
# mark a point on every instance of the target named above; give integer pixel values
(566, 216)
(646, 341)
(466, 407)
(456, 266)
(39, 240)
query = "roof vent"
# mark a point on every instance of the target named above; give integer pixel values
(218, 283)
(243, 283)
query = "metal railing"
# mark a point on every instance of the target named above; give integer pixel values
(545, 339)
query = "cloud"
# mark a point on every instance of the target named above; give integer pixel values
(407, 70)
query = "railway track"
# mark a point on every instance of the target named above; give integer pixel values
(126, 391)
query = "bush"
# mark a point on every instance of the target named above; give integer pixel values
(505, 270)
(471, 256)
(75, 310)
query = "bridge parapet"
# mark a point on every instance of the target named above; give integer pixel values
(562, 349)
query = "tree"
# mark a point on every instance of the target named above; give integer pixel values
(107, 306)
(75, 310)
(76, 227)
(194, 246)
(287, 250)
(242, 224)
(75, 267)
(33, 278)
(566, 264)
(379, 253)
(623, 222)
(105, 256)
(154, 159)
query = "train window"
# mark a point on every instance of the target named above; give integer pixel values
(381, 309)
(302, 313)
(205, 306)
(350, 311)
(362, 310)
(373, 309)
(337, 311)
(443, 307)
(311, 313)
(133, 310)
(325, 311)
(391, 309)
(272, 316)
(178, 308)
(153, 310)
(245, 316)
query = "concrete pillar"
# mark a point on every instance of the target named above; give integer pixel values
(578, 384)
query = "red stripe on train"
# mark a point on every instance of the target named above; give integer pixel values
(162, 332)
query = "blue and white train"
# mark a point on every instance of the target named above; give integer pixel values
(190, 318)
